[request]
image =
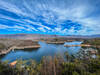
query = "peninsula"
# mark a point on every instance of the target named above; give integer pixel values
(6, 45)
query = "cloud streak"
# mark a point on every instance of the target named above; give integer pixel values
(63, 17)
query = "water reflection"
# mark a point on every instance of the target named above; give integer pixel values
(37, 54)
(73, 43)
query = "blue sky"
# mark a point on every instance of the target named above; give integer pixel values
(61, 17)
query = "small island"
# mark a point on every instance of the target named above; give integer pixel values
(83, 45)
(55, 42)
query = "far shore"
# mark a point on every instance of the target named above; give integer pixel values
(55, 42)
(82, 45)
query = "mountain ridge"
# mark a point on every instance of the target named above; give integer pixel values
(37, 36)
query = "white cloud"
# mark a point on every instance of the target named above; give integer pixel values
(42, 29)
(54, 12)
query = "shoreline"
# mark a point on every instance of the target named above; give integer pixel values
(55, 42)
(82, 45)
(78, 45)
(3, 52)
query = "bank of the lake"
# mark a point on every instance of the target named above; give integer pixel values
(11, 44)
(45, 50)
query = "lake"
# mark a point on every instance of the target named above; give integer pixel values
(45, 50)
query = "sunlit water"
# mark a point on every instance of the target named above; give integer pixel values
(45, 50)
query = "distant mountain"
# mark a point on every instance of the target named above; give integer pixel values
(83, 36)
(26, 36)
(38, 36)
(97, 36)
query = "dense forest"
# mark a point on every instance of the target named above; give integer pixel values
(53, 66)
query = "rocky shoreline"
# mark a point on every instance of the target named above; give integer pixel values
(82, 45)
(3, 52)
(78, 45)
(9, 45)
(55, 42)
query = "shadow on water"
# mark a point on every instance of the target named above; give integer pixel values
(28, 49)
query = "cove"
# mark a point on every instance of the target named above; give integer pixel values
(45, 50)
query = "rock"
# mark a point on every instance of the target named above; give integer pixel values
(13, 63)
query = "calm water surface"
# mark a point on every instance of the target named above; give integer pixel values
(45, 50)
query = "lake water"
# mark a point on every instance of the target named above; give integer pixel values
(45, 50)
